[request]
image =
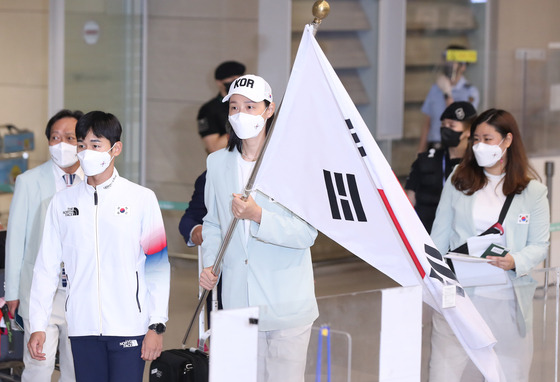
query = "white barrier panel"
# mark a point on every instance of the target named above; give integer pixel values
(400, 348)
(375, 336)
(233, 345)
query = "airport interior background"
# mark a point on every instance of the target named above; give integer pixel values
(151, 63)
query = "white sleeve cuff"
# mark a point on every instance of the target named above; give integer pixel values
(190, 242)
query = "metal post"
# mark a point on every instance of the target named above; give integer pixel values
(549, 173)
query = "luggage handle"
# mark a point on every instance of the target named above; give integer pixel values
(202, 341)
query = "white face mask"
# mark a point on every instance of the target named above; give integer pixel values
(487, 155)
(247, 125)
(63, 154)
(95, 162)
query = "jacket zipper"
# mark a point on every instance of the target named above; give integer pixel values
(137, 292)
(95, 201)
(67, 293)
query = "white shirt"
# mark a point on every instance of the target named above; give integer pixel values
(59, 182)
(245, 170)
(488, 203)
(486, 212)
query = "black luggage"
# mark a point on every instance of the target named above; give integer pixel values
(177, 365)
(185, 365)
(11, 340)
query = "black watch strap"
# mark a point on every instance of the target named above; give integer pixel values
(159, 328)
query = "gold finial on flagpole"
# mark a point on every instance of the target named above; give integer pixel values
(320, 10)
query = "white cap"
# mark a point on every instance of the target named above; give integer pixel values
(253, 87)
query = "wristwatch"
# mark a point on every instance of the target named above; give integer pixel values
(159, 328)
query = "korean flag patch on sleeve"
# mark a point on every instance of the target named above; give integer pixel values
(523, 219)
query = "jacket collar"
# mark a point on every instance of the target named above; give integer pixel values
(105, 185)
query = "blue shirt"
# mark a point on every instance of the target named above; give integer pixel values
(434, 104)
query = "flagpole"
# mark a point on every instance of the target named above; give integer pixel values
(320, 10)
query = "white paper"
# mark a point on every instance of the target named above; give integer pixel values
(233, 345)
(463, 257)
(478, 244)
(476, 271)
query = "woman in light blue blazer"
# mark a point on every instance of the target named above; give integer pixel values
(494, 166)
(268, 260)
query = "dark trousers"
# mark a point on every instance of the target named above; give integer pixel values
(107, 358)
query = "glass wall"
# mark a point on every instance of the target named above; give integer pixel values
(431, 26)
(104, 70)
(355, 321)
(534, 95)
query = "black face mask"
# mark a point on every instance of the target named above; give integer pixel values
(228, 85)
(450, 138)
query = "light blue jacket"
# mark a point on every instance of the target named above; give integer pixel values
(33, 192)
(434, 104)
(527, 241)
(273, 270)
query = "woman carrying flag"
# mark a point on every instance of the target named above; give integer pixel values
(268, 260)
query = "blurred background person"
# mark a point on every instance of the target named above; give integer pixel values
(190, 227)
(450, 86)
(431, 169)
(212, 116)
(212, 128)
(34, 190)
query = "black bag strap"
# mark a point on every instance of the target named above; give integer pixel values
(496, 228)
(505, 208)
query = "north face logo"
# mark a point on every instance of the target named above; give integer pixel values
(129, 344)
(71, 211)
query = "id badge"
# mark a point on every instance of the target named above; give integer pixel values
(449, 293)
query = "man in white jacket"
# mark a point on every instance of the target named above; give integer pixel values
(109, 233)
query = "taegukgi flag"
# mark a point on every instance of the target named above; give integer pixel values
(323, 164)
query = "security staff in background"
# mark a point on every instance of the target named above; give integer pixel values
(212, 116)
(431, 169)
(212, 119)
(450, 86)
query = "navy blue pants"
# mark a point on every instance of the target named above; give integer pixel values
(107, 358)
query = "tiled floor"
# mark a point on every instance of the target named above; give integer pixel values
(333, 278)
(330, 278)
